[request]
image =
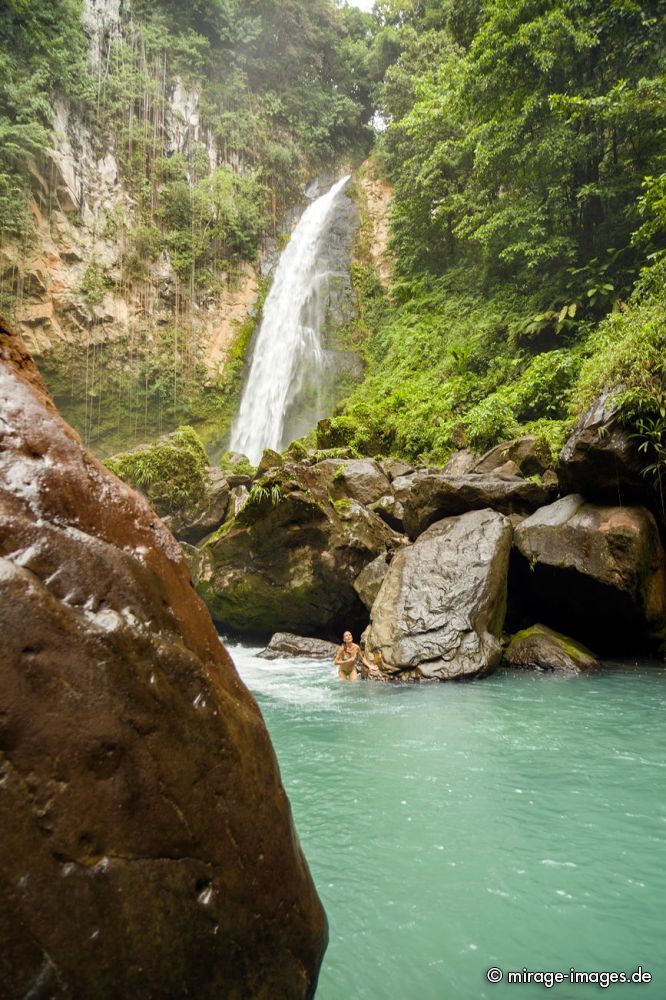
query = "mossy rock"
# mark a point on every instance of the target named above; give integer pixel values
(172, 473)
(289, 559)
(541, 648)
(269, 460)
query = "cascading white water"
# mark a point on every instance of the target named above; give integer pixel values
(288, 361)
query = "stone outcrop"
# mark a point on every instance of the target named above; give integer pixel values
(530, 455)
(440, 610)
(595, 571)
(190, 496)
(360, 479)
(291, 556)
(369, 581)
(193, 522)
(540, 648)
(460, 463)
(286, 645)
(395, 467)
(391, 511)
(429, 497)
(600, 460)
(148, 845)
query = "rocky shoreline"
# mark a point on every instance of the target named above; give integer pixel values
(440, 567)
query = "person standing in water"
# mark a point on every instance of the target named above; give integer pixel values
(347, 657)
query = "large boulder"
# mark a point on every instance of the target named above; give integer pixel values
(433, 496)
(290, 558)
(596, 572)
(286, 645)
(360, 479)
(600, 459)
(148, 844)
(395, 467)
(391, 511)
(531, 456)
(192, 522)
(440, 610)
(540, 648)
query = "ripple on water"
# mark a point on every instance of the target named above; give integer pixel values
(525, 815)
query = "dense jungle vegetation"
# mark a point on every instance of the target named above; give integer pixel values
(526, 143)
(284, 92)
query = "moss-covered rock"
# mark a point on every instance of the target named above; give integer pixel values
(175, 477)
(290, 557)
(269, 460)
(540, 648)
(171, 473)
(530, 454)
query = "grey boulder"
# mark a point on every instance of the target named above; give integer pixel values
(440, 610)
(286, 645)
(600, 459)
(433, 496)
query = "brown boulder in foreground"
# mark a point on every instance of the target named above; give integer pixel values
(148, 846)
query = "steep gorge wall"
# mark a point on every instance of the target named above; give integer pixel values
(130, 340)
(69, 283)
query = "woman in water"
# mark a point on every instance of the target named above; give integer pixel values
(347, 657)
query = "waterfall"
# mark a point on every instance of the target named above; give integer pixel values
(288, 362)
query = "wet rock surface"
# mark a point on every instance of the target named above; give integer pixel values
(285, 644)
(592, 570)
(360, 479)
(429, 497)
(369, 581)
(540, 648)
(530, 456)
(193, 522)
(148, 843)
(600, 459)
(440, 610)
(291, 556)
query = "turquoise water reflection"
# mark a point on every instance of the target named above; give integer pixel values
(520, 821)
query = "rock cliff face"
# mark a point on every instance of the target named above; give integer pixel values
(148, 842)
(79, 197)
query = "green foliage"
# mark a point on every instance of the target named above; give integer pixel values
(230, 464)
(489, 422)
(172, 473)
(523, 153)
(42, 50)
(629, 347)
(526, 145)
(95, 283)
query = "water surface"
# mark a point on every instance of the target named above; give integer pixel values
(518, 821)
